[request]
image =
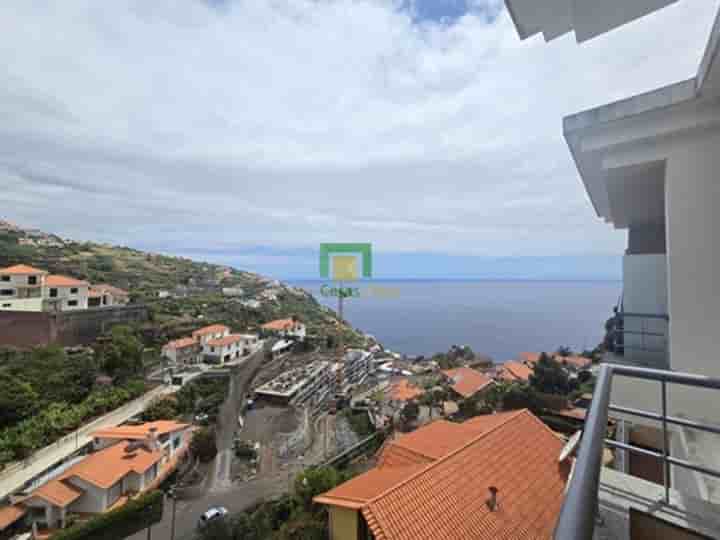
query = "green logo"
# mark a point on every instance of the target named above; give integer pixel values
(343, 258)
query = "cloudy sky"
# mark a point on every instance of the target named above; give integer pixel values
(251, 130)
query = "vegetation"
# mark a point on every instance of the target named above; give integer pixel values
(359, 423)
(203, 445)
(549, 377)
(130, 518)
(292, 517)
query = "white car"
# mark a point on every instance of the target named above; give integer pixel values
(212, 514)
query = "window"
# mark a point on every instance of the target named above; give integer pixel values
(73, 290)
(212, 349)
(4, 278)
(32, 280)
(53, 293)
(72, 303)
(7, 292)
(7, 305)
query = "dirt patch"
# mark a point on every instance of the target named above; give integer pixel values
(263, 424)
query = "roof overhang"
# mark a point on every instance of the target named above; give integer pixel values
(587, 18)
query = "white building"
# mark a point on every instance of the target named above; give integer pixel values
(649, 164)
(182, 351)
(286, 328)
(229, 348)
(208, 333)
(103, 295)
(24, 288)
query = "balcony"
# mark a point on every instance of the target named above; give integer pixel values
(609, 504)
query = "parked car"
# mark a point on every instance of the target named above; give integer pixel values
(217, 512)
(202, 418)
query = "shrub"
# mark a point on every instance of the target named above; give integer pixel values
(203, 445)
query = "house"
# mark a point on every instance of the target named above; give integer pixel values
(66, 293)
(529, 358)
(494, 476)
(207, 333)
(286, 328)
(127, 461)
(649, 165)
(512, 371)
(402, 391)
(467, 383)
(228, 348)
(22, 288)
(102, 295)
(182, 351)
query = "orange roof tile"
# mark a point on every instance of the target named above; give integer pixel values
(115, 291)
(529, 357)
(180, 343)
(578, 362)
(139, 432)
(467, 381)
(514, 452)
(404, 391)
(21, 269)
(107, 466)
(225, 341)
(515, 371)
(57, 492)
(212, 329)
(10, 514)
(64, 281)
(279, 324)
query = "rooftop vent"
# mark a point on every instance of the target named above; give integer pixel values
(492, 502)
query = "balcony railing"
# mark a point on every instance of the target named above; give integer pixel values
(577, 517)
(641, 338)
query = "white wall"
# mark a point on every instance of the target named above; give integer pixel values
(693, 240)
(64, 296)
(9, 303)
(94, 500)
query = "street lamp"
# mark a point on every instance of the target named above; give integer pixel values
(171, 493)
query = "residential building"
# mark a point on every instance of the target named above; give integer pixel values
(228, 348)
(494, 476)
(182, 351)
(308, 385)
(128, 461)
(292, 328)
(513, 371)
(648, 163)
(208, 333)
(66, 293)
(468, 383)
(22, 288)
(103, 295)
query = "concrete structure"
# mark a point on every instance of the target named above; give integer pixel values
(649, 164)
(355, 367)
(303, 386)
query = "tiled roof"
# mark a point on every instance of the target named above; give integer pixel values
(467, 381)
(180, 343)
(109, 465)
(139, 432)
(10, 514)
(404, 391)
(64, 281)
(578, 362)
(58, 492)
(21, 269)
(279, 324)
(529, 357)
(115, 291)
(212, 329)
(515, 371)
(225, 341)
(447, 499)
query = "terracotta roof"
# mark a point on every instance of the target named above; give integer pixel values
(404, 391)
(447, 498)
(10, 514)
(115, 291)
(64, 281)
(212, 329)
(575, 412)
(467, 381)
(515, 371)
(141, 431)
(21, 269)
(529, 357)
(578, 362)
(280, 324)
(107, 466)
(225, 341)
(180, 343)
(58, 492)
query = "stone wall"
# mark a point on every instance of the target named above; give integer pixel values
(69, 328)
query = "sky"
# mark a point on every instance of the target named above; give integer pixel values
(248, 132)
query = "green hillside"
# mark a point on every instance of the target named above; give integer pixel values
(194, 288)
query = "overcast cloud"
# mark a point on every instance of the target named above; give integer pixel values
(284, 123)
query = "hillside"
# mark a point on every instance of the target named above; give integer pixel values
(193, 288)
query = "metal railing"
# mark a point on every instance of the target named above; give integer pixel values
(577, 517)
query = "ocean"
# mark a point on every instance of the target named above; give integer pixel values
(496, 318)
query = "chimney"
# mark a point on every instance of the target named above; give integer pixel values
(152, 439)
(492, 502)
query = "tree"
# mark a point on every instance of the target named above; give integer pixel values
(549, 377)
(203, 445)
(313, 482)
(18, 400)
(564, 351)
(123, 356)
(410, 411)
(468, 408)
(162, 408)
(520, 396)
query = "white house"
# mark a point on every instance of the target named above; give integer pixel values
(21, 288)
(66, 293)
(182, 351)
(286, 328)
(229, 348)
(208, 333)
(103, 295)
